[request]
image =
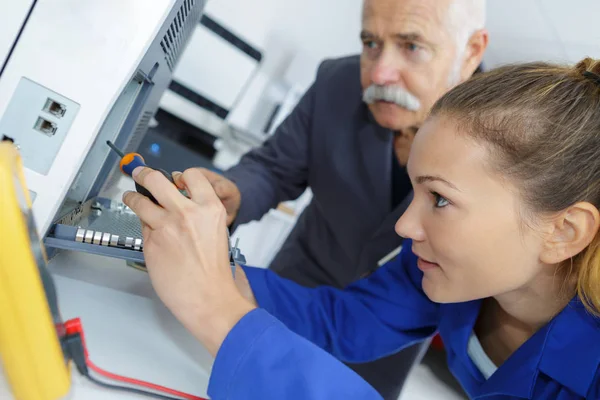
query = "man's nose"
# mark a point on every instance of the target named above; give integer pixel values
(386, 70)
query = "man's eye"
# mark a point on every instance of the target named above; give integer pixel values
(439, 200)
(370, 44)
(412, 47)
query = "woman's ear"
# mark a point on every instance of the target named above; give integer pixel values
(571, 232)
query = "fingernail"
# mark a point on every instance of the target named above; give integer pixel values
(137, 171)
(126, 193)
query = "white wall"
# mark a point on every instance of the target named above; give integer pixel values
(521, 30)
(549, 30)
(302, 31)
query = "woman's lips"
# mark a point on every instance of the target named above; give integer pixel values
(426, 265)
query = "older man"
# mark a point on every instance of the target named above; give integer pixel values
(348, 140)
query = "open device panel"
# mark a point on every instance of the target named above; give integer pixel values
(68, 84)
(73, 75)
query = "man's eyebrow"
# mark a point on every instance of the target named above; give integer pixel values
(406, 36)
(366, 35)
(409, 36)
(413, 37)
(432, 178)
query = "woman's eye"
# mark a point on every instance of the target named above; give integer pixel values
(439, 200)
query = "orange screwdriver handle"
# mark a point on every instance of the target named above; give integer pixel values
(131, 161)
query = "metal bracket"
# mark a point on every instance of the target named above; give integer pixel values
(104, 227)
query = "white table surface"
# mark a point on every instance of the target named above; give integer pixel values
(127, 329)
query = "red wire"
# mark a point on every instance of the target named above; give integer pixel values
(74, 326)
(138, 382)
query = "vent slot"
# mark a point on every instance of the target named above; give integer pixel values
(175, 34)
(179, 20)
(140, 130)
(179, 30)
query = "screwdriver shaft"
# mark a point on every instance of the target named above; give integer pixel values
(115, 148)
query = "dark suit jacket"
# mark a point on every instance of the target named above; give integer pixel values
(332, 144)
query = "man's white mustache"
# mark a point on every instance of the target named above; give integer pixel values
(393, 94)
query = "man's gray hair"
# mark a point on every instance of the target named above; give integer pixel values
(465, 18)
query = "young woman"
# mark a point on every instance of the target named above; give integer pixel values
(502, 257)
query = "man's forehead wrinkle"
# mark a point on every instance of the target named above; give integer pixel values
(422, 19)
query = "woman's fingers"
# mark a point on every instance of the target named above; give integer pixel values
(149, 213)
(199, 187)
(177, 179)
(161, 188)
(146, 230)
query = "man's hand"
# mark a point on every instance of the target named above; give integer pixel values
(186, 253)
(226, 190)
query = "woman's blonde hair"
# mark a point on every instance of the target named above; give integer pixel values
(542, 123)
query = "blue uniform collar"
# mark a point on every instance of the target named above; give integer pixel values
(567, 350)
(572, 350)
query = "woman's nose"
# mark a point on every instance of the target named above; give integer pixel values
(409, 225)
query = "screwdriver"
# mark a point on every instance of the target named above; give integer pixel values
(131, 161)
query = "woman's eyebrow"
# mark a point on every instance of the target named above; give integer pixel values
(432, 178)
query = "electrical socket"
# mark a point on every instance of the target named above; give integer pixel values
(38, 119)
(48, 128)
(55, 108)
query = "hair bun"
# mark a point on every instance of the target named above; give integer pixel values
(593, 77)
(588, 64)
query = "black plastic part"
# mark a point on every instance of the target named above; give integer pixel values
(73, 346)
(142, 190)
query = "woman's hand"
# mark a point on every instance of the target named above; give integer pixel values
(186, 253)
(226, 190)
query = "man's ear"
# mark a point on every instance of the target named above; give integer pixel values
(473, 55)
(571, 232)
